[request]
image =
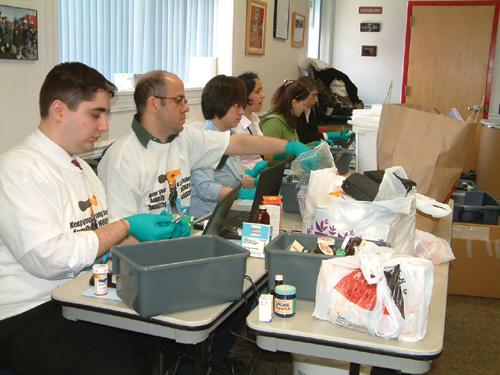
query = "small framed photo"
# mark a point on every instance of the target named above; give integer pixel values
(369, 51)
(256, 28)
(298, 29)
(18, 33)
(369, 27)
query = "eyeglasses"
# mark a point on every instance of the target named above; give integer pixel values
(240, 105)
(180, 99)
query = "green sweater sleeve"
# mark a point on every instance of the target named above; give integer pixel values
(272, 127)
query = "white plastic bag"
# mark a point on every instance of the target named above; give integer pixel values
(391, 217)
(378, 291)
(430, 247)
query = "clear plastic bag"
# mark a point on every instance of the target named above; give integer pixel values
(430, 247)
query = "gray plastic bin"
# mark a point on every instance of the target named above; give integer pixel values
(289, 193)
(345, 160)
(181, 274)
(298, 269)
(477, 207)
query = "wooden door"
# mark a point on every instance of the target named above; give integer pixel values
(449, 58)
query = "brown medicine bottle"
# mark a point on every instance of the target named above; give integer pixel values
(262, 216)
(278, 280)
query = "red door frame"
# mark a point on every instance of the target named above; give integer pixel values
(489, 80)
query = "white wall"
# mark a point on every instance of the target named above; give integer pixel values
(373, 75)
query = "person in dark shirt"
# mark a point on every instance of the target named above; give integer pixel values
(307, 124)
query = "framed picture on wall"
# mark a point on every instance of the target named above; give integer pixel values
(298, 29)
(18, 33)
(281, 15)
(256, 28)
(369, 51)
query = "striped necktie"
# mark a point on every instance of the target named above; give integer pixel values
(75, 163)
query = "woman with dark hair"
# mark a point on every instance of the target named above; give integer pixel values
(222, 103)
(249, 123)
(289, 101)
(307, 125)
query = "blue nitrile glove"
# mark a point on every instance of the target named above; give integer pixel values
(182, 229)
(246, 194)
(151, 227)
(279, 157)
(296, 148)
(347, 134)
(334, 135)
(259, 167)
(256, 182)
(326, 140)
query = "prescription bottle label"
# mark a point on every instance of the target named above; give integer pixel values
(100, 279)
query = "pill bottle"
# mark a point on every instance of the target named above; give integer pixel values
(350, 244)
(278, 280)
(262, 216)
(100, 279)
(326, 245)
(285, 300)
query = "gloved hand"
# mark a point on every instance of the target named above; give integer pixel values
(246, 194)
(347, 134)
(182, 228)
(151, 227)
(344, 135)
(256, 182)
(326, 140)
(279, 157)
(259, 167)
(296, 148)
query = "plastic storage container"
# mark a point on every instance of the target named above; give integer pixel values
(366, 129)
(289, 193)
(181, 274)
(298, 269)
(345, 160)
(477, 207)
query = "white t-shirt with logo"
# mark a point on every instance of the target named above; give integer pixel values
(48, 206)
(157, 178)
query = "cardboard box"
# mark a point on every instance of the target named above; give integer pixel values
(274, 207)
(476, 269)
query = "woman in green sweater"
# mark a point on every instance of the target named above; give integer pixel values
(288, 103)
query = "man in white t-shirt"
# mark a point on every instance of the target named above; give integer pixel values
(148, 169)
(55, 224)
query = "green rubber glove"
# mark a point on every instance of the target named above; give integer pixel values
(151, 227)
(246, 194)
(259, 167)
(296, 148)
(326, 140)
(344, 135)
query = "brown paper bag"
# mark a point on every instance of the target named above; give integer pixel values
(431, 148)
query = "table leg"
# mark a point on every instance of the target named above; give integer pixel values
(354, 368)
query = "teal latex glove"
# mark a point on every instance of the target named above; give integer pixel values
(182, 229)
(347, 134)
(279, 157)
(151, 227)
(246, 194)
(344, 135)
(326, 140)
(259, 167)
(296, 148)
(256, 182)
(334, 135)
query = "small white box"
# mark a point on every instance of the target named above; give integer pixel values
(127, 81)
(266, 308)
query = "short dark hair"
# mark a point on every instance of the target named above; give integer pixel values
(220, 94)
(72, 83)
(310, 82)
(249, 79)
(153, 83)
(283, 97)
